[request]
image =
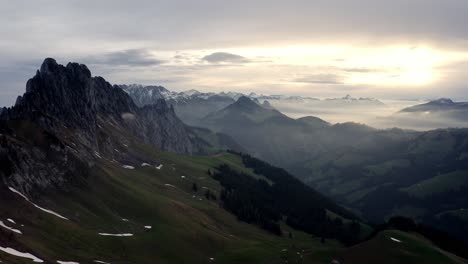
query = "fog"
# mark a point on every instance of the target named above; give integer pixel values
(379, 115)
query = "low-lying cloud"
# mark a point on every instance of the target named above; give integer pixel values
(132, 57)
(225, 57)
(320, 79)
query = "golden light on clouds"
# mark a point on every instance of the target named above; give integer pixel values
(382, 66)
(315, 70)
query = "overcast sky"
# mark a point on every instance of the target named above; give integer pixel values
(375, 48)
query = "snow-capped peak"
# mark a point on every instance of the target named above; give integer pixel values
(191, 92)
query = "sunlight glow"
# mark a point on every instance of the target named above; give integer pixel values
(382, 66)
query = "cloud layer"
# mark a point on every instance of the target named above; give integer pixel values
(309, 47)
(224, 57)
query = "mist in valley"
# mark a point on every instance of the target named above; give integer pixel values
(382, 114)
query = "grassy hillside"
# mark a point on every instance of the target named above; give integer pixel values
(150, 197)
(181, 220)
(439, 184)
(393, 246)
(185, 226)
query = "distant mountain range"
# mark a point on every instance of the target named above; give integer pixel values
(440, 113)
(191, 106)
(443, 107)
(424, 173)
(338, 159)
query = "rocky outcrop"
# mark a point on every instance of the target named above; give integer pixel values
(57, 128)
(59, 96)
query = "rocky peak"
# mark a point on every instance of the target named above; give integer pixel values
(245, 101)
(266, 104)
(69, 96)
(49, 66)
(442, 101)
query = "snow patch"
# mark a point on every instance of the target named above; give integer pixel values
(67, 262)
(116, 235)
(159, 167)
(17, 253)
(37, 206)
(97, 154)
(169, 185)
(2, 224)
(145, 165)
(396, 240)
(124, 219)
(148, 227)
(128, 167)
(98, 261)
(11, 221)
(183, 177)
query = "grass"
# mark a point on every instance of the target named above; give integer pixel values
(185, 229)
(438, 184)
(385, 167)
(461, 213)
(412, 249)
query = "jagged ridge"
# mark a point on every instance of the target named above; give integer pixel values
(50, 136)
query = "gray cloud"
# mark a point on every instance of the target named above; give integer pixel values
(133, 57)
(85, 30)
(224, 57)
(320, 79)
(359, 70)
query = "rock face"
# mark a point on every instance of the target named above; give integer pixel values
(56, 128)
(68, 96)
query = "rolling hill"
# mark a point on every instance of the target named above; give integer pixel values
(377, 173)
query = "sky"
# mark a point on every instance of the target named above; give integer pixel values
(400, 49)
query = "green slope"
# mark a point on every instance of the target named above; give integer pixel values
(393, 246)
(186, 228)
(439, 184)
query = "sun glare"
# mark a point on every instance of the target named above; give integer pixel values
(383, 66)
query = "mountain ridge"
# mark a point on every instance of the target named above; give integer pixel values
(65, 119)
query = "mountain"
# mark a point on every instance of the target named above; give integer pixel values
(63, 115)
(441, 108)
(69, 96)
(349, 99)
(271, 135)
(245, 110)
(377, 173)
(145, 95)
(88, 176)
(192, 106)
(439, 105)
(439, 113)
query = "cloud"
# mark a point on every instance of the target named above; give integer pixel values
(132, 57)
(320, 79)
(359, 70)
(109, 36)
(224, 57)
